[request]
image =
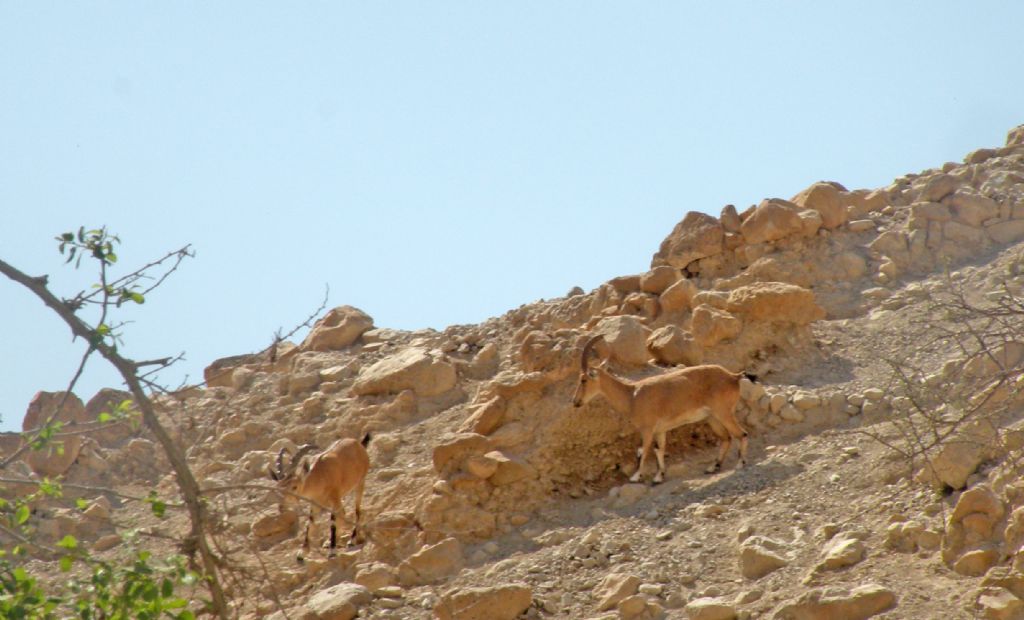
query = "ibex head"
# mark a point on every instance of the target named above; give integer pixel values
(289, 477)
(588, 387)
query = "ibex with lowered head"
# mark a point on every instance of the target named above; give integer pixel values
(324, 478)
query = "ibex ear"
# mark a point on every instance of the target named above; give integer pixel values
(272, 473)
(591, 373)
(306, 466)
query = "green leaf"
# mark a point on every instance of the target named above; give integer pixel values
(69, 542)
(104, 417)
(22, 514)
(81, 504)
(66, 562)
(158, 506)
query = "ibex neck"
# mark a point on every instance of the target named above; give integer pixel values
(619, 392)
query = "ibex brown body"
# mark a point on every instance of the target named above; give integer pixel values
(656, 405)
(324, 478)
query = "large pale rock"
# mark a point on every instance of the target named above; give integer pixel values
(493, 603)
(772, 219)
(969, 544)
(938, 187)
(1015, 136)
(710, 325)
(678, 296)
(486, 417)
(698, 236)
(63, 407)
(614, 588)
(106, 401)
(862, 602)
(455, 449)
(338, 329)
(893, 244)
(510, 469)
(709, 608)
(672, 345)
(825, 198)
(760, 556)
(658, 279)
(220, 372)
(971, 208)
(976, 563)
(730, 219)
(964, 235)
(340, 602)
(998, 604)
(273, 522)
(841, 552)
(626, 338)
(412, 369)
(775, 302)
(960, 457)
(1005, 233)
(862, 202)
(432, 563)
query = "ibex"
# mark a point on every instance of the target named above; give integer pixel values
(324, 478)
(656, 405)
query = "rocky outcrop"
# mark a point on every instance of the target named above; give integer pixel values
(424, 372)
(698, 236)
(339, 328)
(65, 409)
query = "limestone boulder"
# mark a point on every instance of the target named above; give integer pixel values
(841, 552)
(614, 588)
(1015, 136)
(626, 339)
(674, 346)
(432, 563)
(220, 372)
(730, 219)
(972, 533)
(453, 451)
(509, 469)
(273, 522)
(760, 556)
(960, 456)
(826, 199)
(678, 297)
(485, 417)
(505, 602)
(107, 401)
(775, 302)
(338, 329)
(937, 187)
(860, 603)
(710, 608)
(971, 208)
(658, 279)
(772, 219)
(711, 325)
(424, 372)
(340, 602)
(65, 408)
(698, 236)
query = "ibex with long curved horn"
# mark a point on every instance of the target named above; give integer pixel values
(324, 478)
(656, 405)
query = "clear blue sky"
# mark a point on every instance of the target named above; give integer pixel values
(439, 162)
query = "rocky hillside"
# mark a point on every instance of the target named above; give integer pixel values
(881, 483)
